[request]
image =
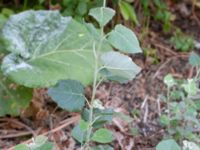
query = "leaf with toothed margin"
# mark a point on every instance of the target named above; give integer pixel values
(46, 47)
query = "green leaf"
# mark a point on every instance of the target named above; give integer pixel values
(103, 147)
(103, 136)
(84, 125)
(82, 8)
(46, 146)
(119, 65)
(169, 80)
(40, 140)
(93, 31)
(164, 120)
(78, 134)
(124, 117)
(13, 98)
(47, 47)
(41, 1)
(102, 15)
(190, 87)
(21, 147)
(128, 12)
(39, 143)
(100, 116)
(124, 40)
(194, 59)
(7, 12)
(68, 94)
(168, 145)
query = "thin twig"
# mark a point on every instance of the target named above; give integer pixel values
(146, 112)
(14, 135)
(167, 61)
(144, 102)
(69, 121)
(158, 104)
(20, 124)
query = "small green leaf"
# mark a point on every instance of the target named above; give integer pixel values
(164, 120)
(100, 116)
(103, 136)
(82, 8)
(124, 40)
(39, 143)
(123, 116)
(169, 80)
(46, 146)
(102, 14)
(190, 87)
(168, 145)
(68, 94)
(84, 125)
(119, 65)
(194, 59)
(98, 104)
(78, 134)
(7, 12)
(21, 147)
(128, 12)
(40, 140)
(41, 1)
(103, 147)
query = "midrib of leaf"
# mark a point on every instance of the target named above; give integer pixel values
(67, 64)
(126, 39)
(45, 56)
(59, 44)
(56, 50)
(115, 68)
(102, 14)
(71, 93)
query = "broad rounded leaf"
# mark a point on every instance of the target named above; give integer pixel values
(102, 14)
(194, 59)
(103, 136)
(119, 66)
(168, 145)
(47, 47)
(124, 40)
(68, 94)
(79, 134)
(13, 98)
